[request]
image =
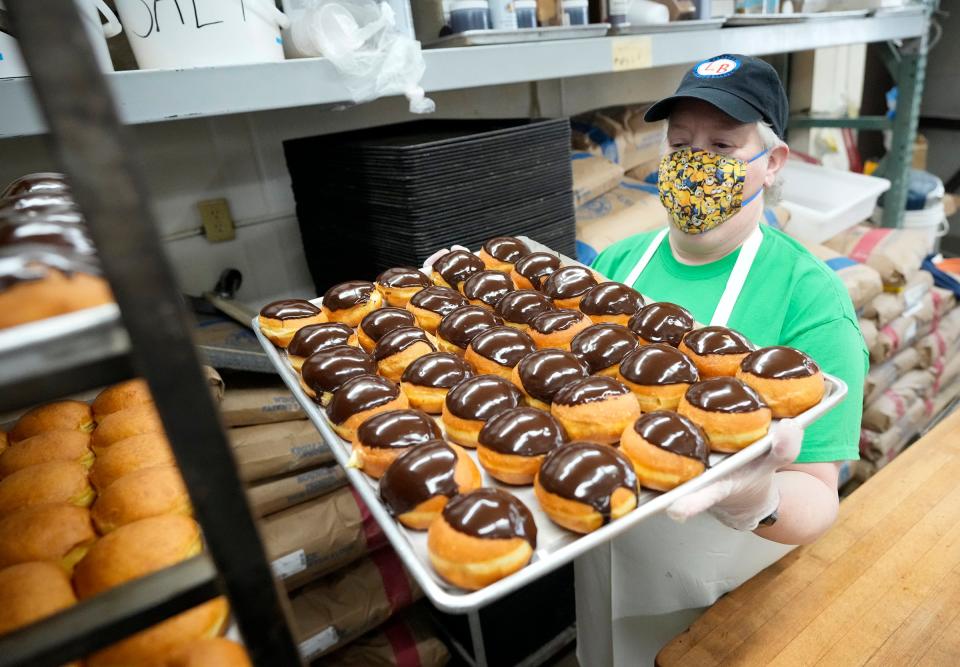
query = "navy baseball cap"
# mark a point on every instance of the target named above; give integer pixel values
(745, 88)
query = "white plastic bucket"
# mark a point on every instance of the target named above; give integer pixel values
(932, 220)
(11, 60)
(168, 35)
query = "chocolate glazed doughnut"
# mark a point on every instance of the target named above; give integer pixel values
(788, 380)
(556, 328)
(280, 320)
(603, 346)
(474, 401)
(512, 445)
(520, 307)
(486, 288)
(379, 323)
(455, 267)
(428, 378)
(431, 304)
(567, 286)
(614, 303)
(541, 374)
(350, 301)
(398, 284)
(316, 337)
(493, 527)
(661, 323)
(502, 252)
(458, 328)
(419, 483)
(658, 375)
(666, 449)
(397, 349)
(596, 408)
(530, 271)
(325, 371)
(386, 435)
(716, 350)
(583, 486)
(731, 413)
(360, 398)
(498, 349)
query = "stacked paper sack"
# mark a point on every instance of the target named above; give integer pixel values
(911, 328)
(345, 582)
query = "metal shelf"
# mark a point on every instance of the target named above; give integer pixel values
(161, 95)
(62, 355)
(106, 618)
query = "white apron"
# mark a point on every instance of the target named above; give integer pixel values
(637, 592)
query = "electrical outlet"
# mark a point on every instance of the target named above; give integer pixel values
(217, 221)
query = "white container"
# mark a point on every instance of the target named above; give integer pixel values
(932, 220)
(503, 14)
(469, 15)
(824, 202)
(576, 12)
(526, 13)
(208, 34)
(11, 60)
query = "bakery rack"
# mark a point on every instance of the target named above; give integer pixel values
(147, 334)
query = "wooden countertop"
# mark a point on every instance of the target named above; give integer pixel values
(882, 587)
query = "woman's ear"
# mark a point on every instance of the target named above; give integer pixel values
(778, 157)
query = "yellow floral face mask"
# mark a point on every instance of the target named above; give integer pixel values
(702, 190)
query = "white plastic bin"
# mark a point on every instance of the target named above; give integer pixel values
(824, 202)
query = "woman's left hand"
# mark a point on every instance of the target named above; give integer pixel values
(745, 497)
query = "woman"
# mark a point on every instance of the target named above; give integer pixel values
(726, 125)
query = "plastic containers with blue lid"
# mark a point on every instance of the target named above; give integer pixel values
(577, 12)
(469, 15)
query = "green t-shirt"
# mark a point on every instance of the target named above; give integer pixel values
(790, 298)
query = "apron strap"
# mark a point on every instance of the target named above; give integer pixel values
(645, 258)
(738, 277)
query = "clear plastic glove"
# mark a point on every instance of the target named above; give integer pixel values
(745, 497)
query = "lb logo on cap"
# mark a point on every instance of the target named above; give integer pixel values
(719, 66)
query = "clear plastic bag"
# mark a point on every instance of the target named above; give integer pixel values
(359, 39)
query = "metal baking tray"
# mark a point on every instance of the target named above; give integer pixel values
(742, 20)
(671, 26)
(520, 36)
(556, 546)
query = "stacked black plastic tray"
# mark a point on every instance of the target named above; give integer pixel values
(373, 199)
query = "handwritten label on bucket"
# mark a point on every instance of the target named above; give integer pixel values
(629, 53)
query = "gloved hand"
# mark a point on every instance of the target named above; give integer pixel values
(745, 497)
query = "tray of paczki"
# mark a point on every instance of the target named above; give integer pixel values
(513, 409)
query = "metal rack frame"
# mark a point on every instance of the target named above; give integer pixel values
(94, 150)
(906, 62)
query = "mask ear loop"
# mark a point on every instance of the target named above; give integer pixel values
(757, 193)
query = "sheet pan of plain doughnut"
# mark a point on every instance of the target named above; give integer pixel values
(442, 541)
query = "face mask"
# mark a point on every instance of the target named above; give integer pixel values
(702, 190)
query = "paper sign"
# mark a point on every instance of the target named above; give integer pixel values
(631, 53)
(289, 565)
